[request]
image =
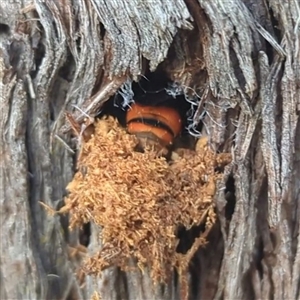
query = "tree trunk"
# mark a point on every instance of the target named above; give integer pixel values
(239, 62)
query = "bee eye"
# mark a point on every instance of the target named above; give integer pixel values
(162, 123)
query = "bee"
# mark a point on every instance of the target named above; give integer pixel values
(156, 124)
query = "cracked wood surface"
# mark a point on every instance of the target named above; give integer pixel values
(241, 58)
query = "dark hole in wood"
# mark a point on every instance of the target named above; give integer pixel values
(248, 287)
(102, 32)
(78, 44)
(51, 112)
(230, 198)
(4, 28)
(38, 57)
(258, 257)
(67, 70)
(15, 54)
(151, 90)
(85, 234)
(278, 36)
(187, 237)
(235, 62)
(204, 260)
(55, 30)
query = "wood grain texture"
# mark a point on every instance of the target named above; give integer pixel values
(240, 57)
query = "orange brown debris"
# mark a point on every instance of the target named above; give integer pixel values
(139, 199)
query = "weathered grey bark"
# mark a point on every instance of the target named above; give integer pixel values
(241, 57)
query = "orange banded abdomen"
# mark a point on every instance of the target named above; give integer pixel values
(160, 123)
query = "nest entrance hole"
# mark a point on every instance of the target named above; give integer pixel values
(153, 89)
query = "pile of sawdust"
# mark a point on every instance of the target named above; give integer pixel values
(139, 199)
